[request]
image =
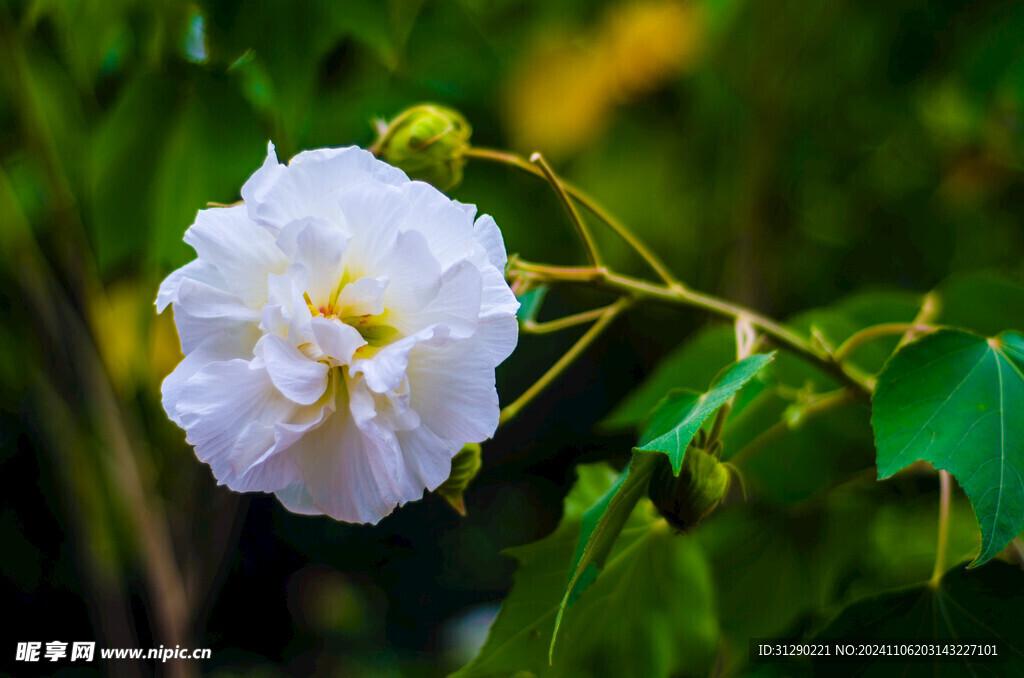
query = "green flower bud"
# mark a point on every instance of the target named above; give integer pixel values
(465, 466)
(688, 499)
(427, 142)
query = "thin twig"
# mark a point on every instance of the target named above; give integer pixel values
(681, 295)
(869, 334)
(943, 541)
(581, 228)
(569, 321)
(511, 410)
(617, 227)
(931, 305)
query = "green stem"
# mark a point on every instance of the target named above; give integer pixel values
(510, 411)
(533, 327)
(869, 334)
(931, 305)
(678, 294)
(719, 424)
(581, 228)
(617, 227)
(943, 541)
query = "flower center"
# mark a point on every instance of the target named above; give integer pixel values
(344, 305)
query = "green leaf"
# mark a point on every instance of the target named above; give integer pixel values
(530, 303)
(967, 606)
(600, 528)
(956, 399)
(679, 417)
(670, 430)
(651, 614)
(781, 571)
(465, 465)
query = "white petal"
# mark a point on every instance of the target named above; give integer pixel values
(467, 209)
(193, 331)
(276, 468)
(447, 226)
(255, 190)
(345, 471)
(374, 214)
(456, 304)
(330, 168)
(363, 297)
(296, 498)
(497, 336)
(201, 311)
(428, 459)
(217, 347)
(414, 275)
(253, 465)
(319, 246)
(298, 378)
(386, 370)
(228, 410)
(202, 301)
(309, 184)
(242, 251)
(292, 316)
(453, 391)
(486, 232)
(497, 298)
(197, 270)
(336, 340)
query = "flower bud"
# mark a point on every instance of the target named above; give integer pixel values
(465, 466)
(686, 500)
(427, 142)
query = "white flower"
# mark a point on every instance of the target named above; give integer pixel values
(340, 331)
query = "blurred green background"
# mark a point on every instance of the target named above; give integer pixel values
(781, 154)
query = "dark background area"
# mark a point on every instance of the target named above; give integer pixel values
(781, 154)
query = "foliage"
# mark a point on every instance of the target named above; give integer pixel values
(952, 399)
(607, 632)
(836, 185)
(978, 607)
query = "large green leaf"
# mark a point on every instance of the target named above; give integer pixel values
(651, 614)
(956, 400)
(967, 606)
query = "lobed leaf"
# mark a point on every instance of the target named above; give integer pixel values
(967, 606)
(956, 400)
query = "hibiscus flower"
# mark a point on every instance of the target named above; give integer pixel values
(340, 328)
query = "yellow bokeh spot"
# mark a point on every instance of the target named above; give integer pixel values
(136, 345)
(567, 88)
